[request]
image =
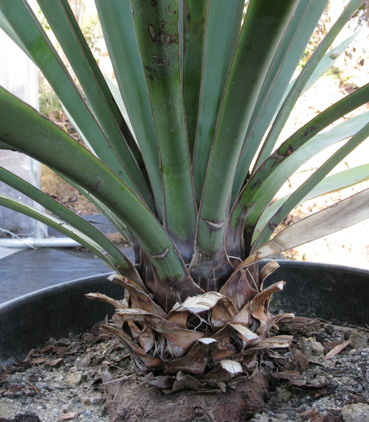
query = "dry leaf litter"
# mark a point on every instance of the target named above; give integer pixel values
(324, 377)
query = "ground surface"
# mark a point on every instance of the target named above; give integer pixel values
(323, 378)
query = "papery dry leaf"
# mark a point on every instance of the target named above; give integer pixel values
(266, 271)
(122, 281)
(273, 343)
(301, 360)
(287, 375)
(147, 339)
(240, 288)
(141, 359)
(234, 368)
(184, 381)
(106, 299)
(193, 362)
(54, 362)
(139, 299)
(337, 349)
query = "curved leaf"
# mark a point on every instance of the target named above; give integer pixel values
(303, 79)
(111, 252)
(333, 183)
(312, 181)
(246, 209)
(337, 217)
(292, 46)
(29, 30)
(52, 146)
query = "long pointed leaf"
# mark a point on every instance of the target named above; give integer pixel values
(264, 25)
(333, 183)
(56, 224)
(39, 47)
(313, 180)
(218, 51)
(287, 167)
(119, 34)
(112, 253)
(156, 26)
(293, 44)
(303, 79)
(246, 208)
(194, 19)
(52, 146)
(61, 19)
(337, 217)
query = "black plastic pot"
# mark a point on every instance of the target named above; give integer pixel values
(326, 291)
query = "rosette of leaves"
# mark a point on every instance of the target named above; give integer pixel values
(203, 342)
(184, 155)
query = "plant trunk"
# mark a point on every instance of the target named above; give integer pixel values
(150, 404)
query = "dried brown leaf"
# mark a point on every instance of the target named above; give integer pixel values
(106, 299)
(139, 299)
(240, 288)
(193, 362)
(337, 349)
(301, 360)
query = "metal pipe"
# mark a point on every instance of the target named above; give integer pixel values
(30, 242)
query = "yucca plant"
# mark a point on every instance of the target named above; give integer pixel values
(183, 156)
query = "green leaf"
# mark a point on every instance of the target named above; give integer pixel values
(39, 47)
(333, 183)
(249, 210)
(194, 23)
(119, 34)
(291, 48)
(53, 147)
(64, 25)
(318, 143)
(112, 255)
(218, 52)
(261, 33)
(303, 79)
(312, 181)
(58, 225)
(156, 26)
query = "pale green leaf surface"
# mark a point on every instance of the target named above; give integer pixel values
(58, 225)
(333, 183)
(113, 253)
(218, 51)
(52, 146)
(311, 182)
(260, 36)
(156, 27)
(39, 47)
(303, 79)
(119, 34)
(293, 44)
(101, 100)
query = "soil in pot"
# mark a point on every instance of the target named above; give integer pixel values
(324, 377)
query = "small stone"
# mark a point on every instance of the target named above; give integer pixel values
(68, 416)
(26, 417)
(356, 412)
(74, 379)
(359, 340)
(310, 347)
